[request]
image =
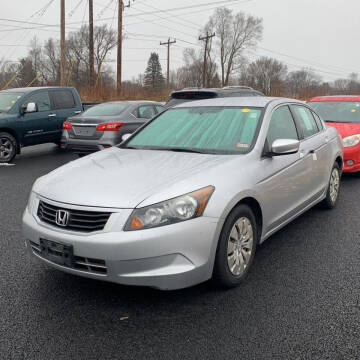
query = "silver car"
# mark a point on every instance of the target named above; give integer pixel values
(189, 196)
(103, 125)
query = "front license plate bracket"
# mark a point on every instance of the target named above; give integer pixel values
(57, 253)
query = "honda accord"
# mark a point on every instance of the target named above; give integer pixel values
(189, 196)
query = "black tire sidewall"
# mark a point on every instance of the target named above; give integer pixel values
(14, 143)
(222, 274)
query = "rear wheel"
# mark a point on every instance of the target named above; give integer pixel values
(8, 146)
(332, 193)
(236, 247)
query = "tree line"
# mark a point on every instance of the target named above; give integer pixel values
(228, 63)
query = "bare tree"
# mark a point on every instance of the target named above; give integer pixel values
(266, 75)
(302, 83)
(235, 34)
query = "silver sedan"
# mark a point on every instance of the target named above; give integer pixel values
(189, 196)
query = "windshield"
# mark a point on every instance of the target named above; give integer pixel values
(338, 111)
(8, 99)
(229, 130)
(107, 109)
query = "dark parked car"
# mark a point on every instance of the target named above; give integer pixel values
(191, 94)
(31, 116)
(104, 125)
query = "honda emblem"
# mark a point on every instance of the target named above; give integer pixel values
(62, 218)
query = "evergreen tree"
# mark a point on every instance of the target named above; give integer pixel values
(153, 74)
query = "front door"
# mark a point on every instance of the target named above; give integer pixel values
(284, 188)
(39, 127)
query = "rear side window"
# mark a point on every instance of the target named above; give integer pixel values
(282, 126)
(159, 108)
(146, 112)
(306, 121)
(41, 99)
(63, 99)
(318, 121)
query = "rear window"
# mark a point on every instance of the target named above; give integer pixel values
(107, 109)
(63, 99)
(184, 96)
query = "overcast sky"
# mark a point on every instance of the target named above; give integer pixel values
(322, 34)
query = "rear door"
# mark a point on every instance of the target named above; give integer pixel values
(313, 148)
(38, 126)
(65, 106)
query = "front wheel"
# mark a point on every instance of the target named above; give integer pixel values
(236, 247)
(332, 193)
(8, 146)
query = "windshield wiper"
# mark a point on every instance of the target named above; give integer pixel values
(175, 149)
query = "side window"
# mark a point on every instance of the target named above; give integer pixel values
(307, 121)
(41, 99)
(159, 108)
(318, 121)
(282, 126)
(63, 99)
(146, 112)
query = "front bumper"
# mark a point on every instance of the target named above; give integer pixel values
(352, 154)
(167, 258)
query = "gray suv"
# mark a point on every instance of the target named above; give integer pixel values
(192, 94)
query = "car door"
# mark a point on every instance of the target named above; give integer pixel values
(65, 106)
(284, 187)
(37, 126)
(313, 148)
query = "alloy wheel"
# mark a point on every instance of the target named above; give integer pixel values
(334, 184)
(6, 148)
(240, 246)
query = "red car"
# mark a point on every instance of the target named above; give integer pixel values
(343, 113)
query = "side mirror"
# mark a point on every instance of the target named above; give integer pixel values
(125, 137)
(285, 147)
(29, 108)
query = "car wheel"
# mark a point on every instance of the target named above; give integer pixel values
(8, 146)
(236, 247)
(332, 192)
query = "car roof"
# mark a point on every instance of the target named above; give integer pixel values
(250, 101)
(29, 89)
(335, 98)
(131, 102)
(224, 90)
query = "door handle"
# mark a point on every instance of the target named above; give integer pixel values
(51, 115)
(77, 112)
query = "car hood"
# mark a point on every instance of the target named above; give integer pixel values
(345, 129)
(123, 178)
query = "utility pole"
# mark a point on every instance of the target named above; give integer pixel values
(206, 38)
(91, 42)
(168, 43)
(62, 43)
(121, 8)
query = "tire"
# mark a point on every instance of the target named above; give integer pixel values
(8, 147)
(332, 192)
(236, 250)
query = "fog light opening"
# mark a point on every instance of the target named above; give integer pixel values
(349, 162)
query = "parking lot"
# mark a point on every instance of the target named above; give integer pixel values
(301, 299)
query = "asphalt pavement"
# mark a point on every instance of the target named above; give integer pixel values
(301, 299)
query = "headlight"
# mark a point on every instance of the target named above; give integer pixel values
(32, 203)
(172, 211)
(351, 140)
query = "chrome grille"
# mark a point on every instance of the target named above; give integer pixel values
(94, 266)
(79, 220)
